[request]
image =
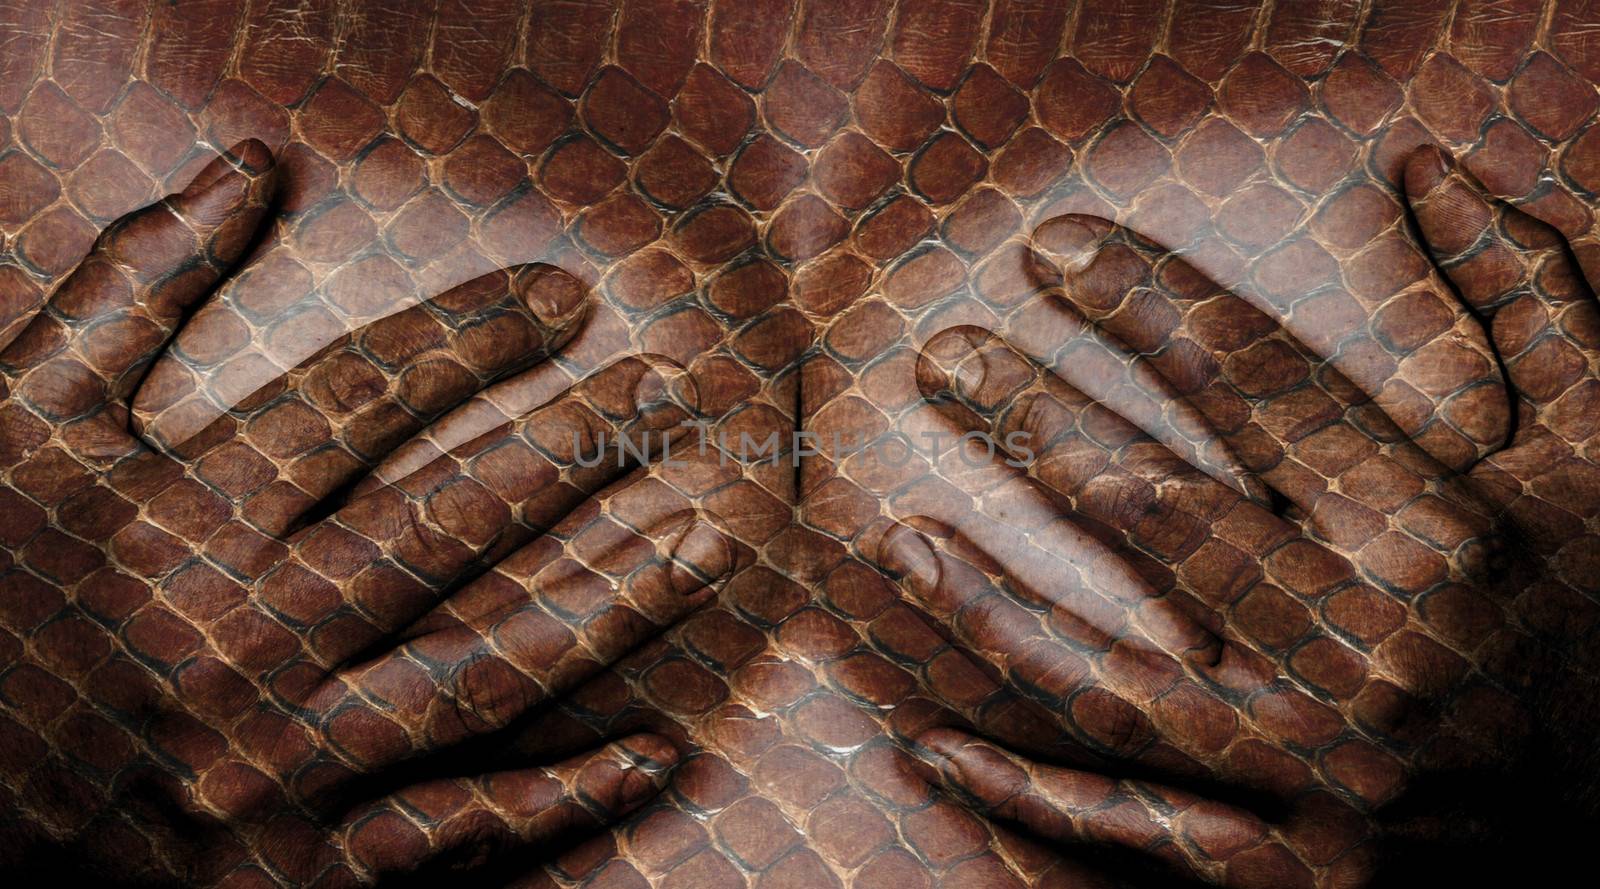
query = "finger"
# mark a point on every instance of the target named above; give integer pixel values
(1419, 357)
(492, 407)
(339, 413)
(1084, 660)
(541, 621)
(1010, 519)
(1255, 569)
(1220, 844)
(1247, 564)
(1022, 499)
(1518, 272)
(1055, 335)
(454, 823)
(424, 531)
(1364, 491)
(1302, 427)
(1242, 570)
(1154, 506)
(86, 349)
(1131, 703)
(1148, 502)
(1248, 724)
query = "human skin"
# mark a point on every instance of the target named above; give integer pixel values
(232, 683)
(812, 268)
(1428, 641)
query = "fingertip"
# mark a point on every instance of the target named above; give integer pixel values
(644, 392)
(979, 769)
(1425, 170)
(1453, 213)
(251, 155)
(662, 382)
(942, 744)
(907, 554)
(1070, 242)
(554, 297)
(619, 777)
(650, 751)
(229, 183)
(648, 760)
(1186, 627)
(702, 558)
(930, 755)
(942, 365)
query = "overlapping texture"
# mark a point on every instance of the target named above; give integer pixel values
(238, 675)
(794, 200)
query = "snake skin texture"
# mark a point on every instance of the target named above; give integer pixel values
(798, 443)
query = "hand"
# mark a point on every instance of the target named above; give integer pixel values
(1269, 610)
(230, 658)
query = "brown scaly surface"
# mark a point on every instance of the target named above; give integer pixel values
(233, 660)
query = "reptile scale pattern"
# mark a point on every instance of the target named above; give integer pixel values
(798, 443)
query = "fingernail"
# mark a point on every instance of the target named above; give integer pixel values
(910, 555)
(555, 297)
(663, 385)
(249, 158)
(928, 766)
(701, 558)
(1071, 240)
(943, 367)
(651, 751)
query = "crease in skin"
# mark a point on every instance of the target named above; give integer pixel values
(475, 644)
(1037, 547)
(960, 352)
(534, 808)
(214, 215)
(424, 542)
(487, 409)
(967, 382)
(1267, 411)
(693, 562)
